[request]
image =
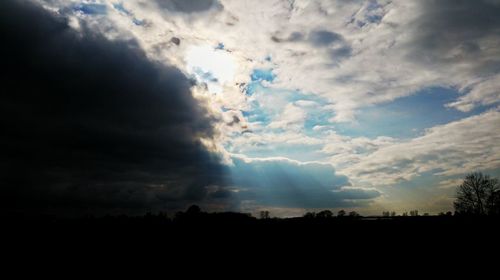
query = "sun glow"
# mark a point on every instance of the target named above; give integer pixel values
(213, 66)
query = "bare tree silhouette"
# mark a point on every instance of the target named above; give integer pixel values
(479, 194)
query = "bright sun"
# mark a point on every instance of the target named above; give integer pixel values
(213, 66)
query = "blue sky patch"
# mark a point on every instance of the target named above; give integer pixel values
(257, 77)
(263, 75)
(90, 9)
(220, 46)
(121, 8)
(407, 116)
(138, 22)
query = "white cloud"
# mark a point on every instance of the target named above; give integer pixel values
(451, 149)
(485, 92)
(214, 67)
(292, 117)
(282, 182)
(382, 45)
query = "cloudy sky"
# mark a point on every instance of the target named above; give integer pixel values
(283, 105)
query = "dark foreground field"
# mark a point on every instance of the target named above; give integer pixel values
(223, 238)
(237, 226)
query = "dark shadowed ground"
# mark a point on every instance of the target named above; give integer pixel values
(206, 228)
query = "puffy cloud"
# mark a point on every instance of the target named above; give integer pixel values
(291, 117)
(484, 92)
(404, 48)
(352, 53)
(281, 182)
(462, 35)
(452, 149)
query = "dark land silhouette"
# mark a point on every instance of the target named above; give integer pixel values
(477, 203)
(219, 232)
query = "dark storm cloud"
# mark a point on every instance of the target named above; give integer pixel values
(189, 6)
(93, 124)
(459, 31)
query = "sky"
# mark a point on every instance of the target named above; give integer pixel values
(288, 106)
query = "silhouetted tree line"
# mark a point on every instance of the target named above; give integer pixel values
(478, 196)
